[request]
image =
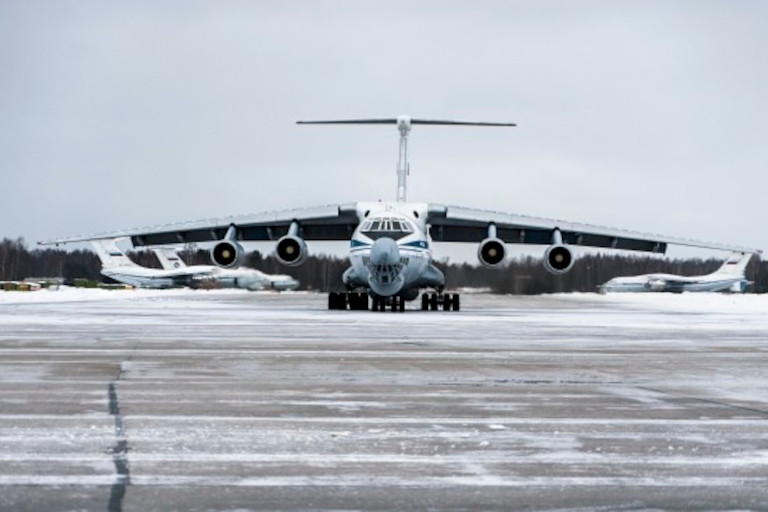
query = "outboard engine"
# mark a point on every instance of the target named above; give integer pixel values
(291, 250)
(558, 259)
(228, 254)
(491, 252)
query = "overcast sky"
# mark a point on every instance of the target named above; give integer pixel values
(645, 115)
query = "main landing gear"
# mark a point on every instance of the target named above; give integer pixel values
(360, 302)
(444, 301)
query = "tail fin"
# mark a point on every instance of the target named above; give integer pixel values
(110, 254)
(735, 265)
(169, 259)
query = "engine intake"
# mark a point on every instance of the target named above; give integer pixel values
(491, 252)
(291, 250)
(558, 259)
(227, 254)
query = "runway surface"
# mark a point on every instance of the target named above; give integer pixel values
(195, 400)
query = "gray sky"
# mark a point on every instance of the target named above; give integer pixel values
(646, 115)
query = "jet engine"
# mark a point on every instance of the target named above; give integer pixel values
(491, 252)
(227, 254)
(558, 259)
(291, 250)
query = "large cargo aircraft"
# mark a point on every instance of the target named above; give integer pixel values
(390, 243)
(116, 265)
(730, 277)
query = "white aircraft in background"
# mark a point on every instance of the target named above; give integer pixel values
(248, 278)
(116, 265)
(391, 242)
(730, 277)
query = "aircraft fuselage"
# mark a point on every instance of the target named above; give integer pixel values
(391, 251)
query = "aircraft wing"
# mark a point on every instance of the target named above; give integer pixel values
(330, 222)
(458, 224)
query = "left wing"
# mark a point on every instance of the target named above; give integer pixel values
(457, 224)
(330, 222)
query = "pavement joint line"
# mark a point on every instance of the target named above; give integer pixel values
(120, 449)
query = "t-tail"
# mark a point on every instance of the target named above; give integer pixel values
(111, 255)
(169, 258)
(404, 124)
(735, 265)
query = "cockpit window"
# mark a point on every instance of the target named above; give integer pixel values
(390, 227)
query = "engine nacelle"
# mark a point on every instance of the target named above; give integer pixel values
(291, 250)
(492, 252)
(228, 254)
(558, 259)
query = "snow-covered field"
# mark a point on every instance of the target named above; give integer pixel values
(186, 400)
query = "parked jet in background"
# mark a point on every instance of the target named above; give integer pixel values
(116, 265)
(248, 278)
(730, 277)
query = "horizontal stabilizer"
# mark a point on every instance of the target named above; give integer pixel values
(412, 121)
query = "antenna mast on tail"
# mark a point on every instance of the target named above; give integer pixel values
(404, 127)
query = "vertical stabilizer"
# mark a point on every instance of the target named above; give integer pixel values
(404, 127)
(735, 265)
(169, 258)
(111, 255)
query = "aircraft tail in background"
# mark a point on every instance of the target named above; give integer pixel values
(735, 265)
(110, 254)
(169, 258)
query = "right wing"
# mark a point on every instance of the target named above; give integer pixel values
(331, 222)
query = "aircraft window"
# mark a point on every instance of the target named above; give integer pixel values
(386, 274)
(387, 227)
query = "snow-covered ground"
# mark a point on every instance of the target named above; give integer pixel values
(182, 399)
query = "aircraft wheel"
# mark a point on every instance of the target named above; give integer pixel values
(379, 304)
(358, 301)
(398, 304)
(424, 301)
(433, 302)
(446, 302)
(455, 302)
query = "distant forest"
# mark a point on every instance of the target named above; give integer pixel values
(523, 276)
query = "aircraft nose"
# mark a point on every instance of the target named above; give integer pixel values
(385, 252)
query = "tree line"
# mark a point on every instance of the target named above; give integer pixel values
(522, 276)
